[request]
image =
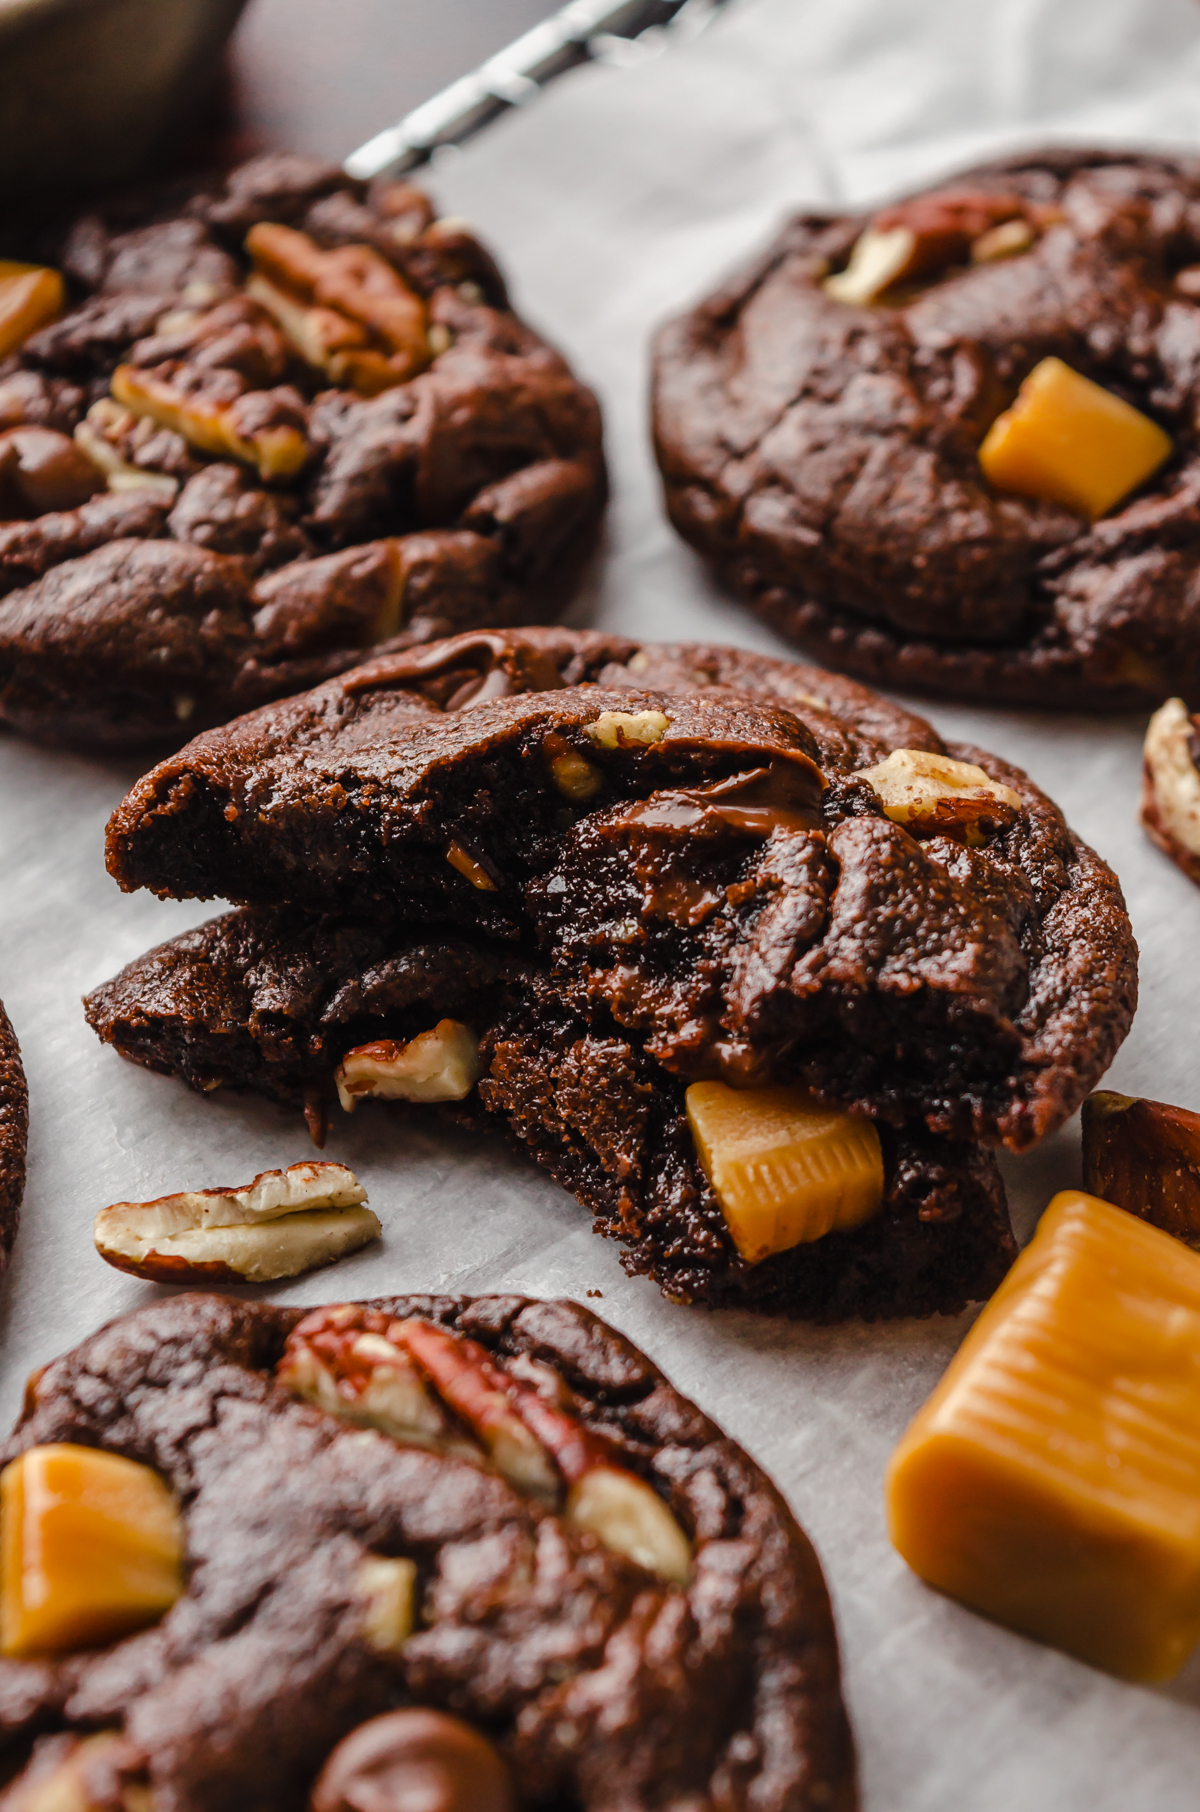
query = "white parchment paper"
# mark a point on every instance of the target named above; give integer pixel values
(617, 198)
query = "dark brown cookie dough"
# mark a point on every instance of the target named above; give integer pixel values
(823, 455)
(14, 1132)
(196, 517)
(731, 892)
(596, 1680)
(272, 1000)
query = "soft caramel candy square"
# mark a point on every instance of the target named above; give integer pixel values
(1071, 442)
(91, 1548)
(1052, 1481)
(30, 296)
(784, 1169)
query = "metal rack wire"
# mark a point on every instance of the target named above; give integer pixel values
(584, 31)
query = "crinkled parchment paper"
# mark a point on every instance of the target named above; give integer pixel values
(613, 201)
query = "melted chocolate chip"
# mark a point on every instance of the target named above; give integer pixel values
(414, 1761)
(783, 795)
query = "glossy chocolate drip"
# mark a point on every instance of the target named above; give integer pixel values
(503, 667)
(784, 795)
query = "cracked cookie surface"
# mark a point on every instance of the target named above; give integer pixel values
(732, 889)
(221, 481)
(595, 1678)
(459, 846)
(823, 453)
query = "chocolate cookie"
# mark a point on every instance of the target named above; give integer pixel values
(823, 453)
(284, 422)
(14, 1132)
(739, 882)
(541, 1537)
(731, 901)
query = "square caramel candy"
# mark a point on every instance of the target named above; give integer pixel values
(1072, 442)
(784, 1169)
(91, 1547)
(1052, 1481)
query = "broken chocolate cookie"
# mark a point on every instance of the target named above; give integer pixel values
(753, 921)
(361, 1518)
(307, 1010)
(951, 445)
(762, 891)
(282, 423)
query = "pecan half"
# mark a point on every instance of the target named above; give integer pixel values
(283, 1223)
(346, 311)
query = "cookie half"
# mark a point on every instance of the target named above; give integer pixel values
(760, 892)
(283, 422)
(823, 453)
(540, 1534)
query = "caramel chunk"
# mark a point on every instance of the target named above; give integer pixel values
(92, 1548)
(1052, 1481)
(30, 296)
(933, 795)
(1069, 441)
(784, 1169)
(414, 1761)
(1145, 1157)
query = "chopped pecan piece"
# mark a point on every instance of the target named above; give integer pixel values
(620, 1509)
(934, 795)
(212, 411)
(441, 1064)
(923, 235)
(1170, 803)
(346, 311)
(283, 1223)
(341, 1359)
(117, 442)
(475, 1388)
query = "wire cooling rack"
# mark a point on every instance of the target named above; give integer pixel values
(585, 31)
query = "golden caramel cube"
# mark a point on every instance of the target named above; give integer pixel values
(784, 1169)
(1052, 1481)
(1069, 441)
(30, 296)
(91, 1546)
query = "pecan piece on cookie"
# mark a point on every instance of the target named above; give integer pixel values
(336, 1566)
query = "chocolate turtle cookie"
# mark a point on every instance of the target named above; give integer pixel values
(662, 910)
(14, 1131)
(480, 1545)
(279, 423)
(952, 445)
